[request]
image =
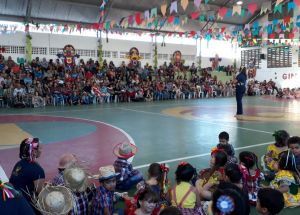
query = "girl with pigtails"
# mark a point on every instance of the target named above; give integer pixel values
(269, 161)
(251, 175)
(158, 182)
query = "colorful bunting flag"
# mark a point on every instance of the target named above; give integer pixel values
(176, 21)
(291, 6)
(130, 20)
(265, 7)
(222, 11)
(298, 21)
(195, 15)
(252, 7)
(278, 8)
(229, 12)
(184, 4)
(286, 19)
(147, 15)
(291, 35)
(297, 2)
(171, 19)
(173, 7)
(138, 19)
(278, 2)
(206, 1)
(163, 9)
(153, 12)
(197, 3)
(202, 18)
(237, 9)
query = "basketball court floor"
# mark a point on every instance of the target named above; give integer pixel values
(166, 131)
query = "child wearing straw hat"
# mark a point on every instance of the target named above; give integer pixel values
(54, 200)
(128, 176)
(76, 179)
(65, 161)
(103, 202)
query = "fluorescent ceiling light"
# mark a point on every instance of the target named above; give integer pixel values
(239, 2)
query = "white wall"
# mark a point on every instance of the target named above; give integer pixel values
(90, 43)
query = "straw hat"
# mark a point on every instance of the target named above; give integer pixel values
(76, 179)
(106, 172)
(66, 160)
(125, 150)
(55, 200)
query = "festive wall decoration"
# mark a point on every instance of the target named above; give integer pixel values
(134, 57)
(69, 56)
(177, 60)
(197, 3)
(173, 7)
(163, 9)
(184, 4)
(28, 48)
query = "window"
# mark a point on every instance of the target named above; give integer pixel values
(147, 56)
(39, 50)
(106, 54)
(54, 51)
(188, 57)
(14, 49)
(249, 55)
(123, 54)
(279, 57)
(114, 54)
(86, 52)
(162, 56)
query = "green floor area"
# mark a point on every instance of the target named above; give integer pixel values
(165, 137)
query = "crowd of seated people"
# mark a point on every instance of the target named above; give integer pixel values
(231, 184)
(43, 83)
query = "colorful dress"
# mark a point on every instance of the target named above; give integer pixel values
(251, 182)
(217, 176)
(285, 177)
(272, 155)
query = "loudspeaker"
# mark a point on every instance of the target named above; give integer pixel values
(262, 56)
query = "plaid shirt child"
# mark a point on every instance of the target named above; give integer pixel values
(103, 199)
(82, 201)
(123, 167)
(59, 179)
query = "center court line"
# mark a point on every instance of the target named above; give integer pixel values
(196, 120)
(200, 155)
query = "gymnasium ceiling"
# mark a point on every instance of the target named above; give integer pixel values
(87, 11)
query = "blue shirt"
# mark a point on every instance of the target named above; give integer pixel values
(241, 78)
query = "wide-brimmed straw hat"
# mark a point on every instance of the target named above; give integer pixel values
(105, 173)
(76, 179)
(125, 150)
(66, 160)
(55, 200)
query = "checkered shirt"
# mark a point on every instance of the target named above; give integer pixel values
(103, 199)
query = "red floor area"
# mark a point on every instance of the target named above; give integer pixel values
(92, 149)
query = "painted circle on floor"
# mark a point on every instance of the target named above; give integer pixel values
(91, 141)
(226, 113)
